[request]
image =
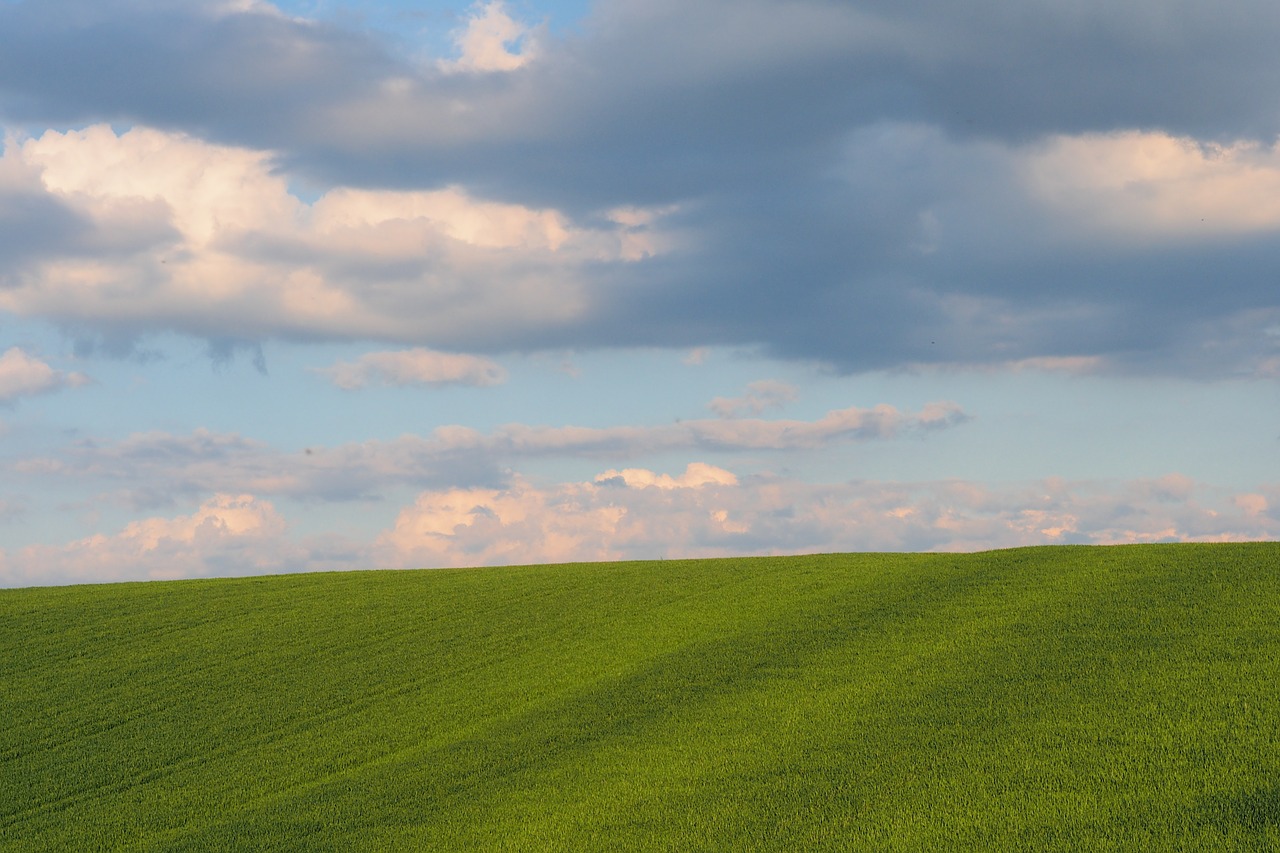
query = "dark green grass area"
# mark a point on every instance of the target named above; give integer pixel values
(1048, 698)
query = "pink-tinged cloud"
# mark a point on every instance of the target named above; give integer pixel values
(708, 512)
(485, 44)
(704, 511)
(1148, 186)
(697, 474)
(603, 520)
(851, 424)
(22, 375)
(226, 535)
(414, 367)
(519, 524)
(765, 394)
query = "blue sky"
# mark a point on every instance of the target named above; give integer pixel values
(330, 285)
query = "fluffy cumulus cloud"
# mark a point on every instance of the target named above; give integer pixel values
(864, 184)
(165, 231)
(707, 512)
(492, 41)
(228, 534)
(22, 374)
(518, 524)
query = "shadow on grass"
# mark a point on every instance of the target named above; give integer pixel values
(1256, 811)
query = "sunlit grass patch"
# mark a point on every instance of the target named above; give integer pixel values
(1048, 698)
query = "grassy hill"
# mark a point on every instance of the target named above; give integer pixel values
(1044, 698)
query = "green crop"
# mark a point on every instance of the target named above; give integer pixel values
(1059, 698)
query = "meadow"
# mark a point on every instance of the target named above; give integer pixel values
(1061, 698)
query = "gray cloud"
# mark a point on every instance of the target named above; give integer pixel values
(848, 173)
(156, 469)
(200, 67)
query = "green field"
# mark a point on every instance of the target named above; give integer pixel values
(1044, 698)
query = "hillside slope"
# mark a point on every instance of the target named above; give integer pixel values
(1044, 698)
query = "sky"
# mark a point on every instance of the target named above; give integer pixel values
(321, 285)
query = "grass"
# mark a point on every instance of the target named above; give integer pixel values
(1060, 698)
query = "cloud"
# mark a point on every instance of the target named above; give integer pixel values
(960, 254)
(518, 524)
(174, 233)
(765, 394)
(231, 68)
(226, 535)
(525, 524)
(414, 367)
(850, 424)
(705, 511)
(697, 474)
(1079, 365)
(486, 42)
(997, 68)
(709, 512)
(696, 357)
(22, 375)
(1010, 184)
(842, 424)
(1153, 187)
(156, 469)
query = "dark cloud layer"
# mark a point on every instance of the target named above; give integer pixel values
(243, 76)
(847, 172)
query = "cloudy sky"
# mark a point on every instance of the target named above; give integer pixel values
(332, 284)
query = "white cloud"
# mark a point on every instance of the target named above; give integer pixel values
(1153, 186)
(492, 41)
(205, 191)
(22, 375)
(697, 474)
(415, 367)
(177, 233)
(362, 220)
